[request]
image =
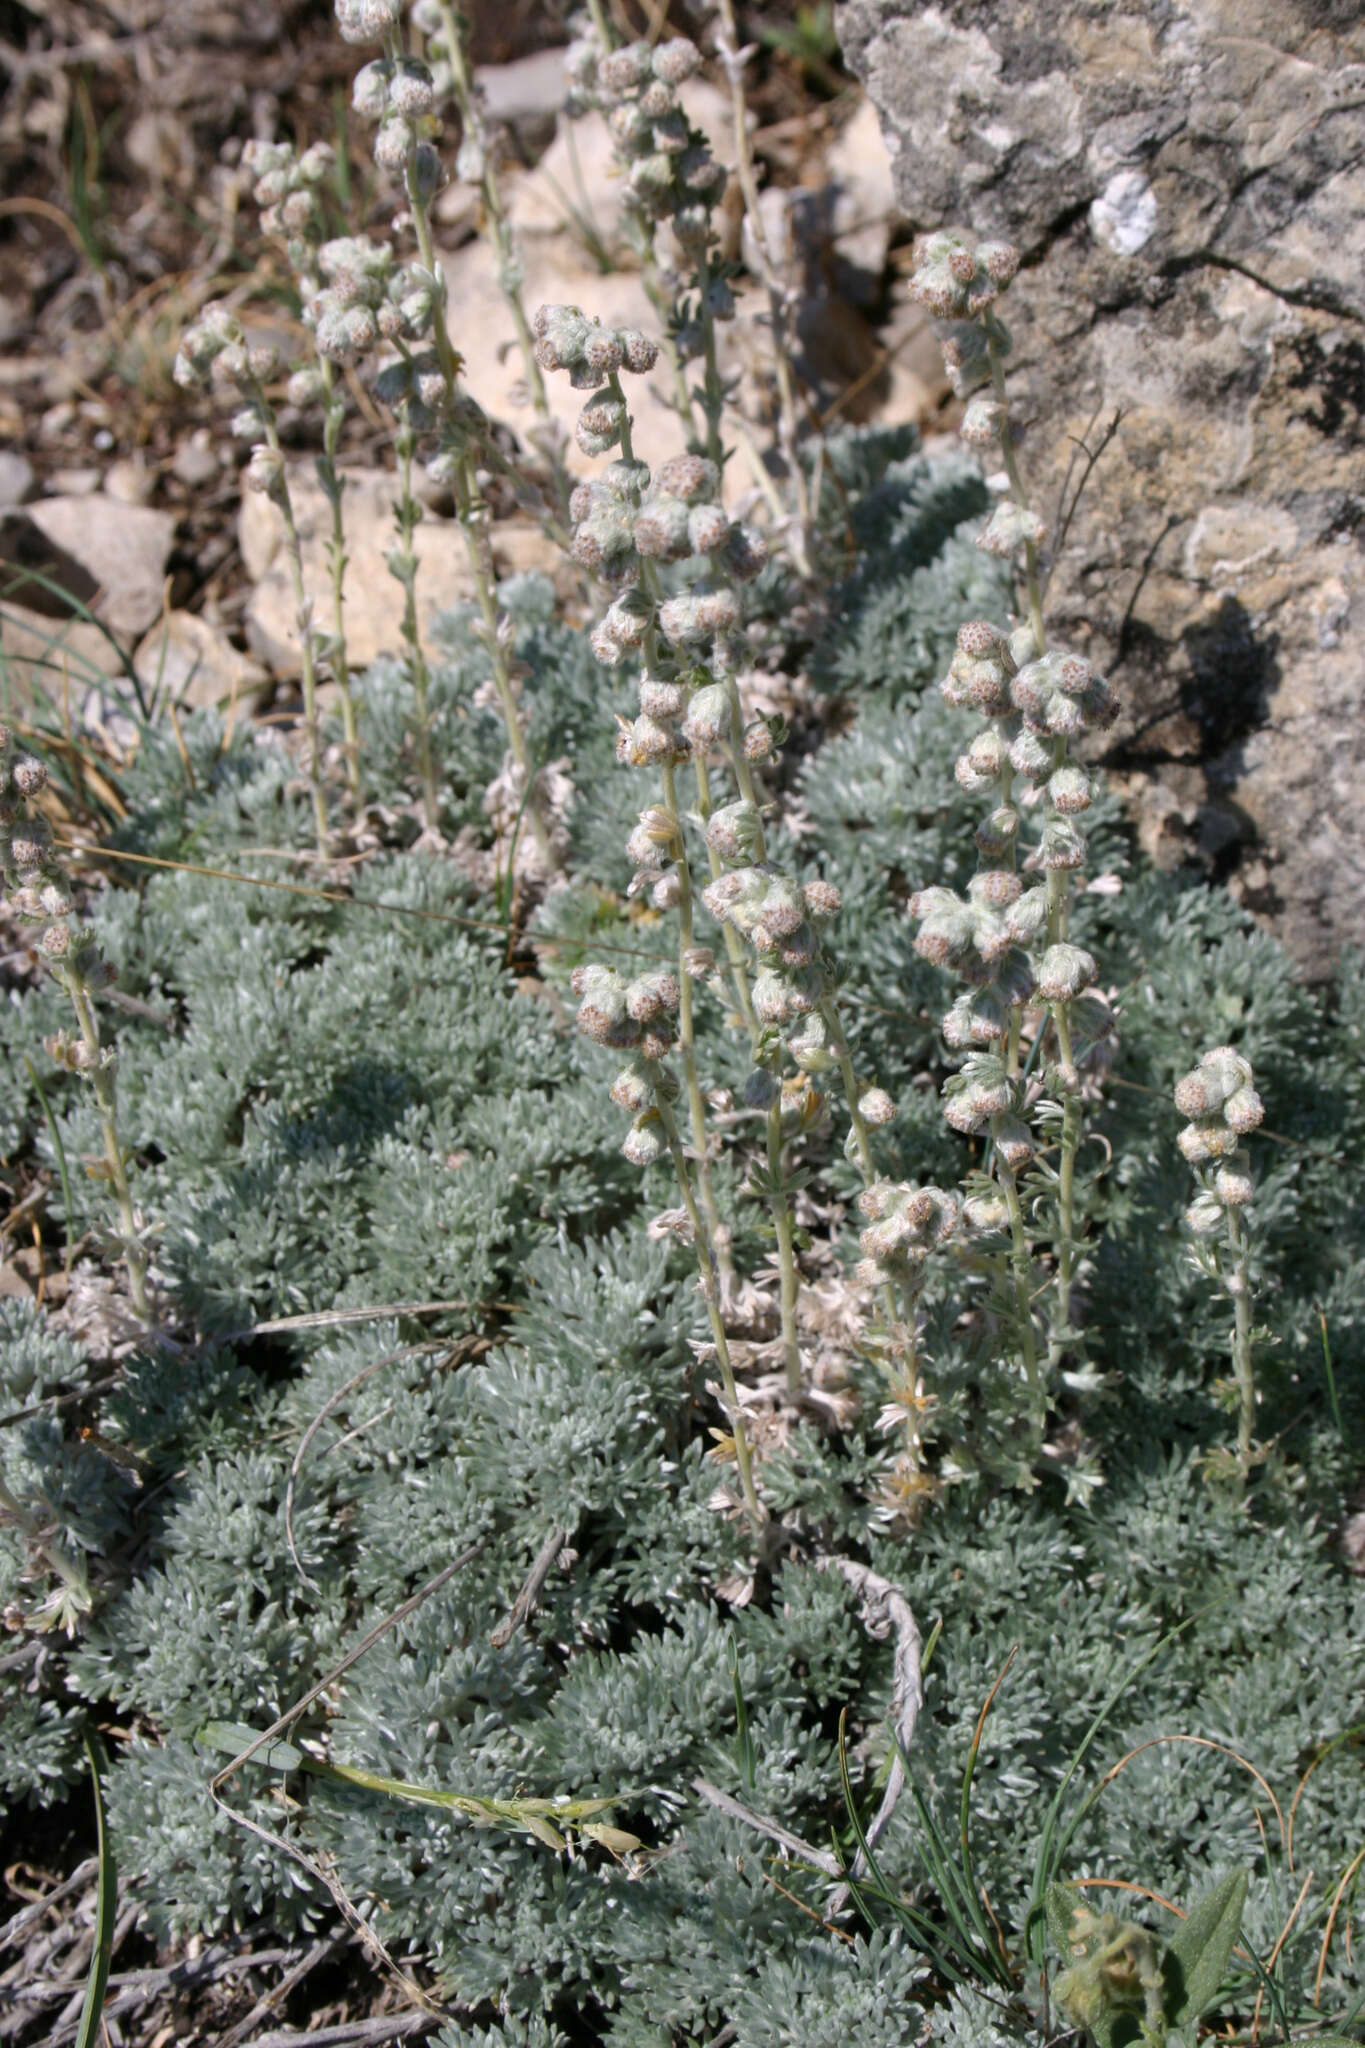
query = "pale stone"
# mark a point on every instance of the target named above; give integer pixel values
(16, 477)
(60, 659)
(197, 462)
(858, 170)
(74, 483)
(186, 660)
(530, 88)
(130, 482)
(123, 547)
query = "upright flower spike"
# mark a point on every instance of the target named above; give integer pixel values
(286, 188)
(370, 303)
(669, 177)
(627, 522)
(1040, 701)
(215, 346)
(37, 893)
(1220, 1100)
(906, 1226)
(637, 1017)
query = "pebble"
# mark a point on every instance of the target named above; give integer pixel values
(196, 463)
(131, 482)
(16, 477)
(73, 483)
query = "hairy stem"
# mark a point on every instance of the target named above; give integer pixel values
(1016, 482)
(779, 300)
(332, 416)
(102, 1080)
(1238, 1286)
(717, 1235)
(408, 514)
(1020, 1263)
(472, 514)
(711, 1293)
(293, 553)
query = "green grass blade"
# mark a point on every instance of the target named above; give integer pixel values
(1331, 1380)
(971, 1883)
(747, 1755)
(106, 1905)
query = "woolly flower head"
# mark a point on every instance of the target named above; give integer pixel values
(1219, 1097)
(953, 281)
(567, 339)
(1060, 694)
(906, 1224)
(367, 21)
(626, 1014)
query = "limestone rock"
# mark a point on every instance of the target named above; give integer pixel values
(1185, 179)
(60, 658)
(122, 548)
(16, 477)
(186, 660)
(373, 599)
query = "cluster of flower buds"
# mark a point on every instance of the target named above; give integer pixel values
(399, 95)
(36, 893)
(364, 297)
(627, 520)
(216, 345)
(669, 172)
(985, 1099)
(568, 339)
(633, 1016)
(1222, 1105)
(958, 285)
(783, 921)
(367, 21)
(1034, 706)
(285, 187)
(906, 1225)
(35, 886)
(1059, 696)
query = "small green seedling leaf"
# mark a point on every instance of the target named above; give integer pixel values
(232, 1738)
(1196, 1958)
(1060, 1902)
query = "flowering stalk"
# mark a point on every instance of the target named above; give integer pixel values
(782, 299)
(215, 344)
(635, 1017)
(38, 895)
(438, 19)
(1008, 942)
(1220, 1100)
(285, 187)
(333, 484)
(567, 342)
(368, 297)
(669, 174)
(402, 564)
